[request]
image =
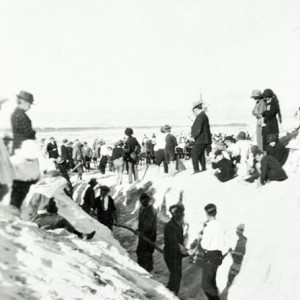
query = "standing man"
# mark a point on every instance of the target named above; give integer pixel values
(212, 242)
(171, 144)
(21, 124)
(52, 148)
(174, 250)
(147, 228)
(201, 135)
(106, 210)
(65, 155)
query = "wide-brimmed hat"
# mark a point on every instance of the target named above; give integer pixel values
(105, 188)
(240, 228)
(241, 135)
(176, 209)
(93, 181)
(167, 128)
(26, 96)
(256, 94)
(29, 150)
(128, 131)
(197, 102)
(268, 93)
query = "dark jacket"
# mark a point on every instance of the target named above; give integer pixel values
(173, 235)
(52, 150)
(22, 128)
(65, 155)
(270, 119)
(201, 129)
(105, 216)
(271, 170)
(132, 149)
(147, 222)
(226, 169)
(88, 199)
(171, 142)
(279, 152)
(117, 153)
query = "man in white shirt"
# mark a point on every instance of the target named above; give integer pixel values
(213, 242)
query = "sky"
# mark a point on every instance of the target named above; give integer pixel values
(78, 55)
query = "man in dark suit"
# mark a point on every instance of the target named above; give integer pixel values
(201, 135)
(65, 155)
(52, 149)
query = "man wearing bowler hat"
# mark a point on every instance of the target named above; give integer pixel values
(201, 135)
(21, 124)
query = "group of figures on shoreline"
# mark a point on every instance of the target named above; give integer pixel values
(230, 157)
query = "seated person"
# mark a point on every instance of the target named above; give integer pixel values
(276, 149)
(229, 141)
(225, 167)
(271, 169)
(40, 207)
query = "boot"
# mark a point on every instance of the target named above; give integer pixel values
(86, 236)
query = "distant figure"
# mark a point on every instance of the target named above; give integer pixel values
(60, 166)
(270, 115)
(147, 228)
(89, 197)
(70, 151)
(105, 208)
(270, 169)
(52, 148)
(213, 241)
(103, 155)
(200, 134)
(171, 144)
(132, 151)
(41, 207)
(64, 153)
(257, 111)
(78, 159)
(87, 155)
(21, 124)
(225, 169)
(174, 249)
(27, 170)
(237, 254)
(276, 149)
(117, 158)
(243, 147)
(159, 150)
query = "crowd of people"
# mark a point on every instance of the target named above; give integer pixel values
(230, 156)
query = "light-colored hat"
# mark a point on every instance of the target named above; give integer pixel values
(29, 150)
(256, 93)
(240, 228)
(197, 102)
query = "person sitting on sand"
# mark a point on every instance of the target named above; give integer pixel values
(276, 149)
(40, 206)
(270, 169)
(225, 168)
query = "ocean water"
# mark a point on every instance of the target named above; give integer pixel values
(110, 124)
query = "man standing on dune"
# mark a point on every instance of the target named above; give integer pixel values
(200, 134)
(21, 124)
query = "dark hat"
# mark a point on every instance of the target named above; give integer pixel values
(65, 140)
(26, 97)
(241, 135)
(218, 152)
(272, 138)
(230, 139)
(93, 181)
(256, 151)
(210, 208)
(268, 93)
(144, 196)
(128, 131)
(176, 209)
(105, 188)
(167, 128)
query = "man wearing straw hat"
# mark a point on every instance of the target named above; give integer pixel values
(21, 124)
(201, 135)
